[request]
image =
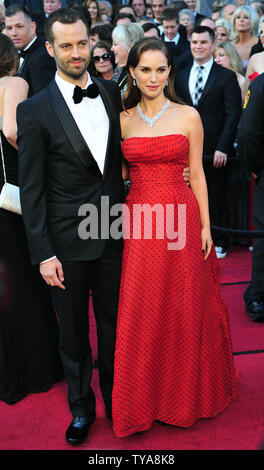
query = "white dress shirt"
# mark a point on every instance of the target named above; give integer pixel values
(175, 39)
(194, 72)
(91, 118)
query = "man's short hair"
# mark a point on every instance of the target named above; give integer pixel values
(121, 16)
(148, 26)
(170, 14)
(64, 16)
(204, 29)
(104, 31)
(18, 8)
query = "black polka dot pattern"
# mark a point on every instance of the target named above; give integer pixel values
(173, 360)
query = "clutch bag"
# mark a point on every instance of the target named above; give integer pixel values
(10, 198)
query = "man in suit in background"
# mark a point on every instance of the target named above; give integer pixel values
(157, 8)
(192, 5)
(50, 6)
(70, 156)
(174, 34)
(215, 92)
(251, 151)
(36, 66)
(35, 8)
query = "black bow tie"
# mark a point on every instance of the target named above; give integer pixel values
(22, 54)
(91, 92)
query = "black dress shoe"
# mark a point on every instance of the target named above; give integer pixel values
(78, 430)
(255, 310)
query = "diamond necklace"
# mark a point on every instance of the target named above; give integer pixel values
(152, 121)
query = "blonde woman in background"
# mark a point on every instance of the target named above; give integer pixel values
(256, 61)
(124, 37)
(222, 30)
(244, 30)
(187, 19)
(225, 54)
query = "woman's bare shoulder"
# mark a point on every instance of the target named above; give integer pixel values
(188, 112)
(127, 114)
(14, 83)
(125, 117)
(256, 57)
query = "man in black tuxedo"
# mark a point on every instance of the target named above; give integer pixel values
(250, 146)
(174, 34)
(36, 66)
(50, 6)
(70, 156)
(215, 92)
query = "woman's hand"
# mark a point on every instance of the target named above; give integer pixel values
(207, 242)
(186, 175)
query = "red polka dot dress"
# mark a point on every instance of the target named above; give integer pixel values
(173, 359)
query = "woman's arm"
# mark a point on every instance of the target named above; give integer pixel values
(16, 91)
(124, 170)
(197, 177)
(123, 125)
(250, 69)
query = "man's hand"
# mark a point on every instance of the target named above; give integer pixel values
(186, 175)
(52, 273)
(220, 159)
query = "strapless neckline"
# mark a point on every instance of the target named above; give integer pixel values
(155, 137)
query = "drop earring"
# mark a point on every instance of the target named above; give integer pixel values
(134, 82)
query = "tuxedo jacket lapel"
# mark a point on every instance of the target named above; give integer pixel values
(71, 129)
(186, 85)
(28, 53)
(109, 110)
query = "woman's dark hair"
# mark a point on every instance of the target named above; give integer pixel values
(132, 95)
(8, 56)
(86, 4)
(104, 45)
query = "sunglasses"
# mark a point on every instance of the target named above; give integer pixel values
(105, 56)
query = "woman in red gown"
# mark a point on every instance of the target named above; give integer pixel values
(173, 360)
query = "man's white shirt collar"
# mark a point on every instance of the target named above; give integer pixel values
(175, 39)
(207, 65)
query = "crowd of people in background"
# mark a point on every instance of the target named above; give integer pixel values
(114, 28)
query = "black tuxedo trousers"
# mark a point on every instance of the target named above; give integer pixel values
(101, 277)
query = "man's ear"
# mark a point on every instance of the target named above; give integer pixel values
(33, 27)
(49, 48)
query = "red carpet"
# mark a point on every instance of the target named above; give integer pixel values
(39, 421)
